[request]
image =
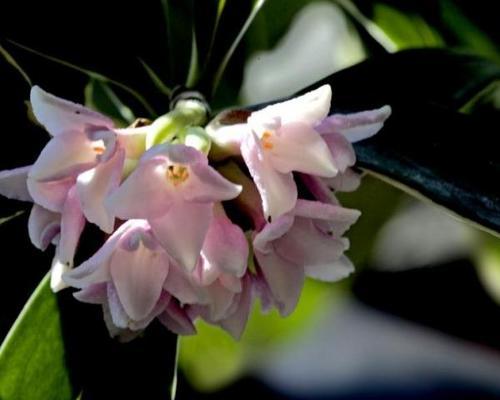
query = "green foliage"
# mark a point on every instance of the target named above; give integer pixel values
(32, 364)
(212, 358)
(100, 97)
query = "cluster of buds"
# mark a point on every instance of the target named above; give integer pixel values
(198, 220)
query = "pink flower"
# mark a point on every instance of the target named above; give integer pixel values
(174, 188)
(126, 276)
(282, 139)
(85, 150)
(304, 242)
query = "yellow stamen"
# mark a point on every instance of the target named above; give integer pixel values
(266, 140)
(177, 174)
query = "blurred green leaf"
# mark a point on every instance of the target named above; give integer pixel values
(467, 32)
(406, 30)
(487, 259)
(212, 358)
(6, 219)
(32, 363)
(100, 97)
(8, 57)
(92, 75)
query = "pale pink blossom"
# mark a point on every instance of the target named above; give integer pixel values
(174, 188)
(304, 242)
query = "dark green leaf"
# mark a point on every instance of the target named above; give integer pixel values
(32, 363)
(100, 97)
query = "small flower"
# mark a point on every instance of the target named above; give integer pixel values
(282, 139)
(304, 242)
(134, 268)
(174, 188)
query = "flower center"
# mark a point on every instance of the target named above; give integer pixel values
(266, 140)
(98, 149)
(177, 174)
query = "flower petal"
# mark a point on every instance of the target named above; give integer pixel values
(235, 323)
(278, 191)
(262, 240)
(206, 184)
(93, 294)
(138, 277)
(341, 150)
(176, 320)
(147, 182)
(284, 279)
(298, 147)
(179, 285)
(347, 181)
(58, 115)
(331, 272)
(339, 219)
(133, 140)
(72, 223)
(182, 230)
(13, 184)
(64, 155)
(226, 246)
(319, 189)
(51, 195)
(43, 226)
(96, 268)
(356, 126)
(309, 108)
(95, 185)
(306, 245)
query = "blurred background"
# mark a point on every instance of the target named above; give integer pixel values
(420, 317)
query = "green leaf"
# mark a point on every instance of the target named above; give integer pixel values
(32, 363)
(407, 30)
(100, 97)
(212, 358)
(8, 57)
(7, 219)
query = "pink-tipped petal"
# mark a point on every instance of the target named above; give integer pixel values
(93, 294)
(64, 155)
(263, 240)
(236, 322)
(182, 230)
(138, 277)
(159, 307)
(309, 108)
(118, 314)
(13, 184)
(284, 279)
(96, 268)
(220, 301)
(145, 193)
(206, 184)
(51, 195)
(72, 223)
(331, 272)
(226, 246)
(347, 181)
(231, 282)
(43, 226)
(298, 147)
(95, 185)
(278, 191)
(176, 320)
(341, 150)
(180, 286)
(356, 126)
(58, 115)
(304, 244)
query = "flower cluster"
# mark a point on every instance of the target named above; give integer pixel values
(188, 238)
